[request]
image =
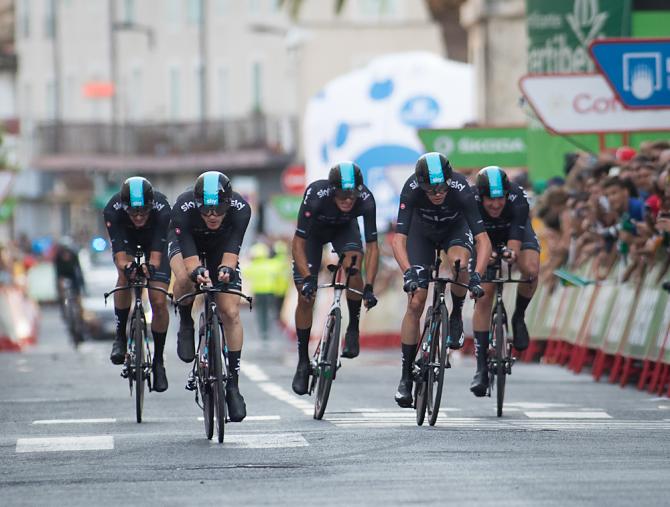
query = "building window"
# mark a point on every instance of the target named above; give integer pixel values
(174, 14)
(377, 9)
(25, 18)
(222, 7)
(136, 94)
(129, 11)
(49, 18)
(51, 99)
(224, 91)
(257, 86)
(194, 8)
(175, 93)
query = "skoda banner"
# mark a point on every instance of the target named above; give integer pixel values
(474, 148)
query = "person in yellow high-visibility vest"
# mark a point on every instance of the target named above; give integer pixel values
(260, 273)
(282, 274)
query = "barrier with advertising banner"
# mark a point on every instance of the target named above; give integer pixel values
(18, 319)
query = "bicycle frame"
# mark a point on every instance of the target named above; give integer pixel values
(339, 288)
(137, 286)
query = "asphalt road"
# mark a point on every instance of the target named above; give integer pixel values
(564, 440)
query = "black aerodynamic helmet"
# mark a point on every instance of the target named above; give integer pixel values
(433, 171)
(213, 192)
(492, 182)
(346, 177)
(137, 195)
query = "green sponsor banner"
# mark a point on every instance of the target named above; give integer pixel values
(473, 148)
(559, 32)
(602, 311)
(7, 209)
(287, 206)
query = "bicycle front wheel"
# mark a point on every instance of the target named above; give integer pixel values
(137, 341)
(438, 362)
(500, 370)
(216, 371)
(420, 366)
(327, 362)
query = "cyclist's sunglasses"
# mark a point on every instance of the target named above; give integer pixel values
(435, 189)
(346, 194)
(215, 209)
(138, 211)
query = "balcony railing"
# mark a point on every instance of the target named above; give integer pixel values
(162, 139)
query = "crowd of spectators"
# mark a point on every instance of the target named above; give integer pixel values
(614, 208)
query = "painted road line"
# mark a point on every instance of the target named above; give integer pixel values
(265, 440)
(255, 418)
(75, 421)
(58, 444)
(256, 374)
(597, 414)
(532, 405)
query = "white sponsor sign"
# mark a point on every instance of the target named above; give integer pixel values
(584, 103)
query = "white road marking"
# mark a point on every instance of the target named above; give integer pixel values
(599, 414)
(58, 444)
(255, 418)
(275, 390)
(254, 373)
(531, 405)
(75, 421)
(264, 440)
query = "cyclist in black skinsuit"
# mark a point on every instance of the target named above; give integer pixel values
(139, 215)
(328, 214)
(210, 219)
(67, 268)
(437, 208)
(504, 209)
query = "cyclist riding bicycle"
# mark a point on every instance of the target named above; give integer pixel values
(504, 209)
(437, 209)
(68, 270)
(139, 216)
(210, 220)
(329, 214)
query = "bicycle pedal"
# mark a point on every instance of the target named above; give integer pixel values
(124, 372)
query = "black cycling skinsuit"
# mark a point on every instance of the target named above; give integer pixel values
(455, 222)
(152, 237)
(320, 221)
(66, 264)
(190, 236)
(513, 222)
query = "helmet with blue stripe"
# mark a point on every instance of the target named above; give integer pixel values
(213, 192)
(346, 177)
(492, 182)
(137, 195)
(433, 171)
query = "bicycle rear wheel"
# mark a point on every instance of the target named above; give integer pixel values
(327, 362)
(501, 371)
(420, 360)
(438, 362)
(216, 360)
(138, 341)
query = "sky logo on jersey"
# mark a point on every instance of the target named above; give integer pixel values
(136, 193)
(495, 182)
(210, 189)
(435, 173)
(347, 175)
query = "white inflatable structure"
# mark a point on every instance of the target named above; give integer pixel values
(371, 116)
